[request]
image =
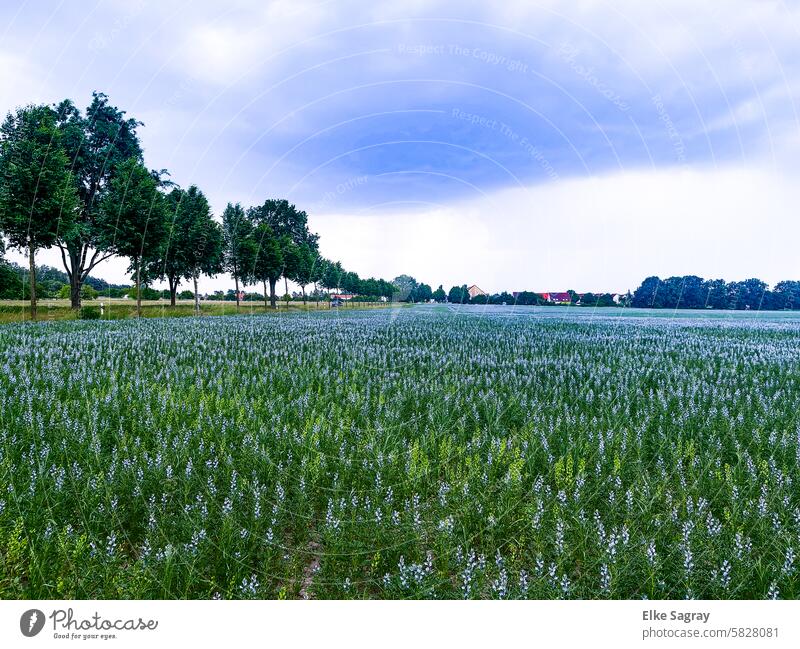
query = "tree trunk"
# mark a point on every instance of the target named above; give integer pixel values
(304, 294)
(236, 279)
(138, 289)
(286, 290)
(196, 296)
(75, 275)
(75, 292)
(272, 297)
(32, 277)
(78, 267)
(173, 289)
(265, 296)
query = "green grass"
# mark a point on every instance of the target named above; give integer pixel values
(116, 309)
(401, 453)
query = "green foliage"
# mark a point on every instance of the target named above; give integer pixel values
(285, 220)
(302, 271)
(134, 215)
(37, 197)
(597, 300)
(528, 298)
(134, 212)
(14, 560)
(89, 313)
(88, 293)
(405, 287)
(332, 275)
(147, 293)
(238, 252)
(193, 243)
(423, 293)
(96, 143)
(692, 292)
(111, 205)
(268, 262)
(11, 283)
(458, 295)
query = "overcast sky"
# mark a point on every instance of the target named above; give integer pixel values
(532, 144)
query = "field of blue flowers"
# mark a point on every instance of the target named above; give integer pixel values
(427, 452)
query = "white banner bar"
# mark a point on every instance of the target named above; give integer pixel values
(154, 624)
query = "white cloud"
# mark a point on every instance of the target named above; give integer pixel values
(20, 81)
(604, 233)
(235, 44)
(601, 233)
(590, 234)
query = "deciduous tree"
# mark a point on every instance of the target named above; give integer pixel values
(38, 200)
(201, 239)
(238, 249)
(134, 215)
(96, 144)
(306, 262)
(268, 262)
(193, 242)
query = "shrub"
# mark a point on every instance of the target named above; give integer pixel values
(147, 293)
(89, 313)
(88, 292)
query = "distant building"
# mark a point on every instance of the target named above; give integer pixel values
(342, 296)
(475, 291)
(556, 298)
(566, 298)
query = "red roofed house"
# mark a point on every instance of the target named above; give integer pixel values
(474, 291)
(557, 298)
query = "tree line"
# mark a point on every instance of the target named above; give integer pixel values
(50, 283)
(265, 243)
(409, 290)
(693, 292)
(77, 181)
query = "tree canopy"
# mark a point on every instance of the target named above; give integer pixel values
(693, 292)
(38, 199)
(96, 143)
(133, 219)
